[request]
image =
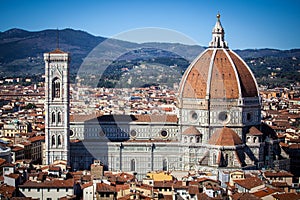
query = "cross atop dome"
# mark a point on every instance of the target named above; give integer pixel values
(218, 33)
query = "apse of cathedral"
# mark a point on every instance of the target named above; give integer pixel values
(218, 125)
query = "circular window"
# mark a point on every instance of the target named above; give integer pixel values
(71, 133)
(194, 115)
(223, 116)
(164, 133)
(133, 133)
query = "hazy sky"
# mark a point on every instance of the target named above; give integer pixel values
(247, 23)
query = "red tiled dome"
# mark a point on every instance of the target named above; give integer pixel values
(218, 73)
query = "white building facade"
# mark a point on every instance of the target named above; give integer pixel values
(57, 104)
(218, 125)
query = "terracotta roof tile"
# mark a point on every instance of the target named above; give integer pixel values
(54, 168)
(254, 131)
(249, 183)
(287, 196)
(203, 196)
(49, 184)
(193, 189)
(17, 148)
(37, 138)
(89, 184)
(12, 175)
(103, 187)
(225, 137)
(244, 196)
(7, 190)
(277, 174)
(266, 192)
(279, 184)
(191, 131)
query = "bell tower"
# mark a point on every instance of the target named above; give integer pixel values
(57, 103)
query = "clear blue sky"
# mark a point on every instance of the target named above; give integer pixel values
(247, 23)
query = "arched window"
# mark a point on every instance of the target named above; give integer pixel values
(254, 139)
(59, 140)
(132, 165)
(248, 139)
(165, 165)
(55, 88)
(53, 117)
(226, 159)
(214, 159)
(191, 139)
(53, 140)
(59, 117)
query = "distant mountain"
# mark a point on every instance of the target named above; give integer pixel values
(256, 53)
(21, 53)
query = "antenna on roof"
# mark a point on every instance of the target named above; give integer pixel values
(57, 38)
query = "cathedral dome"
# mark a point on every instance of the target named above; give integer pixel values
(218, 73)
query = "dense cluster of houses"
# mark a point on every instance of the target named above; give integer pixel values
(22, 146)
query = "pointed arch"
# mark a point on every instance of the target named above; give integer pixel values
(226, 159)
(132, 165)
(59, 117)
(59, 140)
(53, 140)
(56, 88)
(214, 159)
(165, 165)
(53, 118)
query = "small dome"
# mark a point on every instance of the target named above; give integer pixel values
(191, 131)
(225, 137)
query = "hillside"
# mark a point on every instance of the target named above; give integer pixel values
(21, 51)
(21, 54)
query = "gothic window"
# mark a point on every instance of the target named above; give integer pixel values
(59, 140)
(132, 165)
(59, 117)
(53, 140)
(226, 159)
(53, 117)
(55, 88)
(214, 159)
(165, 165)
(191, 139)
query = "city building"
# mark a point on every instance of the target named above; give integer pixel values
(218, 125)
